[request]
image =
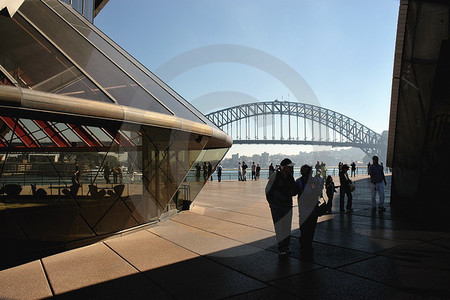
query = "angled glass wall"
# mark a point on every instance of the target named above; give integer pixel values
(55, 195)
(118, 152)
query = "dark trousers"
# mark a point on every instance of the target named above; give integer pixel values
(307, 230)
(345, 191)
(330, 200)
(282, 220)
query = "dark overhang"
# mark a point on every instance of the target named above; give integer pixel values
(99, 4)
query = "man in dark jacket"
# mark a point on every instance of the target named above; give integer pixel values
(376, 184)
(279, 191)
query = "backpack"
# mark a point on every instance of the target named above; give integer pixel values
(269, 187)
(322, 208)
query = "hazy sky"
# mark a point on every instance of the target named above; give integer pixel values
(336, 53)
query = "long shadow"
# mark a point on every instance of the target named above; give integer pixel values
(243, 273)
(357, 256)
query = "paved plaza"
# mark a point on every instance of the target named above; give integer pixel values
(224, 247)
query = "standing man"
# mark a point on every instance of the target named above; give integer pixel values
(271, 169)
(210, 170)
(205, 171)
(219, 172)
(253, 171)
(376, 184)
(353, 173)
(106, 172)
(318, 167)
(279, 191)
(197, 171)
(244, 171)
(240, 172)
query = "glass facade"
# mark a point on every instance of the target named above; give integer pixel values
(67, 179)
(84, 7)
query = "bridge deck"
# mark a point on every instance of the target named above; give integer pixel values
(225, 247)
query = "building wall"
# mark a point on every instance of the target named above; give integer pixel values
(419, 123)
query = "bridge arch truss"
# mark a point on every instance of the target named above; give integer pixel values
(283, 122)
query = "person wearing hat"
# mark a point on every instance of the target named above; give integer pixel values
(279, 191)
(345, 189)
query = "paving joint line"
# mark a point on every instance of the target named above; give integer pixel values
(48, 279)
(207, 256)
(139, 271)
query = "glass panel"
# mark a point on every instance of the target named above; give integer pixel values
(99, 67)
(78, 5)
(36, 64)
(132, 67)
(198, 174)
(89, 10)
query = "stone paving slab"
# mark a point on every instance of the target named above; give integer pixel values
(198, 241)
(261, 264)
(146, 251)
(419, 278)
(238, 232)
(332, 284)
(90, 266)
(202, 278)
(12, 282)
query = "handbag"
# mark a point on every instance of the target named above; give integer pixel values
(351, 186)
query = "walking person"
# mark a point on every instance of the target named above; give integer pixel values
(345, 189)
(309, 189)
(279, 191)
(219, 172)
(376, 184)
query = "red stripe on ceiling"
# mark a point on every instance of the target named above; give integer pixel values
(85, 136)
(2, 143)
(55, 136)
(20, 132)
(118, 137)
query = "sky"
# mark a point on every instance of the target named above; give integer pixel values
(217, 53)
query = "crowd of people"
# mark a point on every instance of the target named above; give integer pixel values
(308, 188)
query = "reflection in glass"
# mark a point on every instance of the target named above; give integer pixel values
(38, 65)
(64, 194)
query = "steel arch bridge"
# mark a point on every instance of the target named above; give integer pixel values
(283, 122)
